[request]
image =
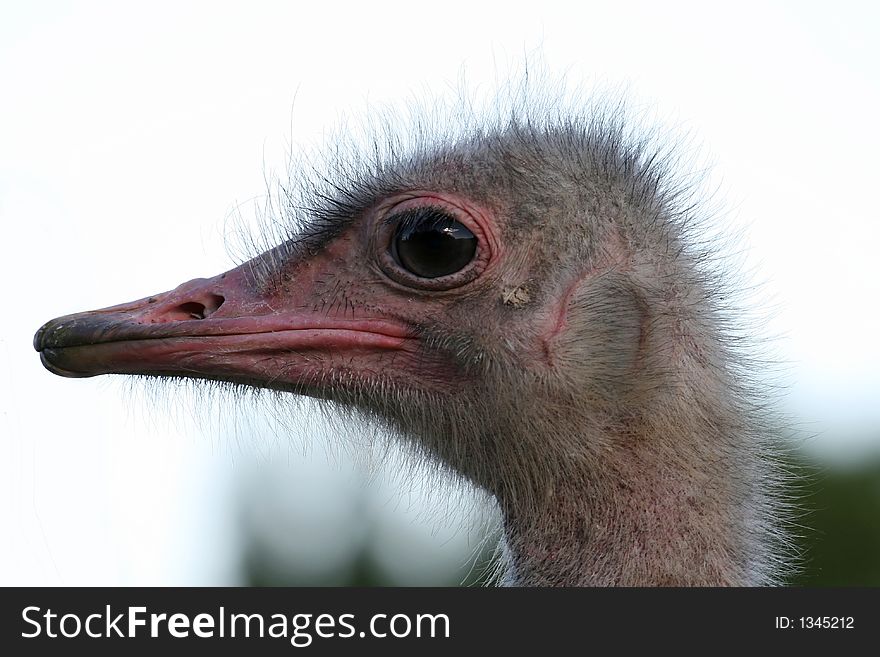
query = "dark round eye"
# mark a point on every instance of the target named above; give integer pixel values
(430, 243)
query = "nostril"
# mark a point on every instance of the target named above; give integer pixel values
(214, 303)
(194, 309)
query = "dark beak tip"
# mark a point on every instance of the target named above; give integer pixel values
(46, 356)
(38, 336)
(43, 336)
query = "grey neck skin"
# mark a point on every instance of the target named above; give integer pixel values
(646, 516)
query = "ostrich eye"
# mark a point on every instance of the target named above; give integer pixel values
(430, 243)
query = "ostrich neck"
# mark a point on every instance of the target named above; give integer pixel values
(642, 514)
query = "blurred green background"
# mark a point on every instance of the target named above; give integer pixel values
(840, 525)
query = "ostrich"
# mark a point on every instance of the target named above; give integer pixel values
(525, 302)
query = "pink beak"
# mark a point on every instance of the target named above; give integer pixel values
(224, 328)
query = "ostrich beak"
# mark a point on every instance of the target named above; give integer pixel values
(224, 328)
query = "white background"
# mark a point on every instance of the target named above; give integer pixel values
(129, 132)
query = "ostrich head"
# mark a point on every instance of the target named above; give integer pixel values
(523, 303)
